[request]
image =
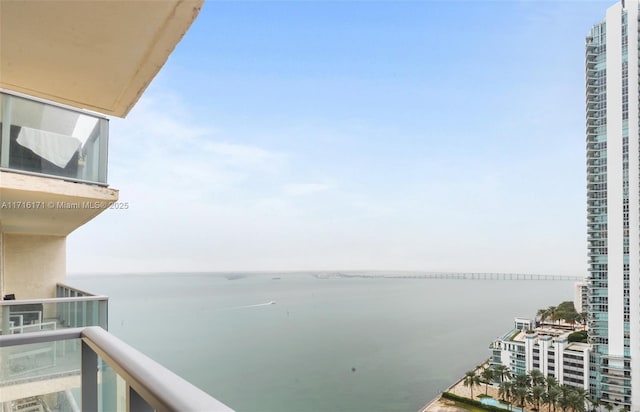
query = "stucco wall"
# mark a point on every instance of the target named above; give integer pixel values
(32, 265)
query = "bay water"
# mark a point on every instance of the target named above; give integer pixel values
(304, 342)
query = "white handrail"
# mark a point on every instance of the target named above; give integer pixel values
(18, 302)
(160, 388)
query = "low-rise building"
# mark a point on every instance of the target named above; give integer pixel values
(545, 348)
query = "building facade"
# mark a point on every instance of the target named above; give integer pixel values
(612, 206)
(581, 296)
(545, 348)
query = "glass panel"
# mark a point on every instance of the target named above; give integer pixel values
(45, 375)
(37, 317)
(56, 141)
(112, 389)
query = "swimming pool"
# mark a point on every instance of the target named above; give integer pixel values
(495, 402)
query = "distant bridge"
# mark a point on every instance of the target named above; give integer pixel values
(462, 276)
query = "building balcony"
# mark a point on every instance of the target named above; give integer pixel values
(616, 392)
(615, 400)
(70, 308)
(56, 354)
(45, 151)
(97, 371)
(42, 138)
(616, 383)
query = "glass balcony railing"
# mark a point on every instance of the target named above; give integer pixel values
(39, 365)
(89, 369)
(47, 139)
(70, 309)
(55, 354)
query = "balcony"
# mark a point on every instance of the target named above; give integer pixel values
(55, 354)
(45, 150)
(69, 309)
(102, 373)
(42, 138)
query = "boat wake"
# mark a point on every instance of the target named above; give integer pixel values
(272, 302)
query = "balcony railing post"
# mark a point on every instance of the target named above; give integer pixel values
(89, 378)
(103, 314)
(103, 124)
(6, 130)
(5, 320)
(135, 402)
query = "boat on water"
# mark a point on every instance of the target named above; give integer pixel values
(273, 302)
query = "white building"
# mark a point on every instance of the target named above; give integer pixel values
(613, 202)
(545, 349)
(581, 296)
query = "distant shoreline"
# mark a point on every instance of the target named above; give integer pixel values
(356, 274)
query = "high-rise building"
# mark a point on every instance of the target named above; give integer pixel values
(581, 296)
(613, 205)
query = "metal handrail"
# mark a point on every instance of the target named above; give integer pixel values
(40, 337)
(53, 300)
(83, 292)
(160, 388)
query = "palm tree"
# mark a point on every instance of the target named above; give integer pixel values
(550, 381)
(546, 400)
(487, 375)
(535, 395)
(564, 401)
(552, 312)
(504, 390)
(572, 318)
(608, 407)
(576, 399)
(520, 393)
(584, 317)
(594, 404)
(553, 396)
(537, 378)
(471, 380)
(542, 314)
(502, 371)
(547, 313)
(521, 380)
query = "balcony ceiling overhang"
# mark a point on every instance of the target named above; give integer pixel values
(36, 205)
(96, 55)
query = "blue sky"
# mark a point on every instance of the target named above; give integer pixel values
(331, 135)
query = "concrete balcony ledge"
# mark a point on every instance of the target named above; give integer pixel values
(44, 206)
